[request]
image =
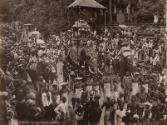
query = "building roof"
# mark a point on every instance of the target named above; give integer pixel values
(86, 3)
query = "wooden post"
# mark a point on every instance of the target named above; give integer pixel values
(104, 12)
(128, 10)
(166, 38)
(165, 68)
(110, 11)
(115, 11)
(165, 15)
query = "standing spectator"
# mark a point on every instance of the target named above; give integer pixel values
(47, 103)
(94, 108)
(127, 83)
(120, 113)
(107, 104)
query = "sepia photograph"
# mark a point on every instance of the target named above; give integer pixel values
(83, 62)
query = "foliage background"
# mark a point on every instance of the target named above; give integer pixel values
(53, 16)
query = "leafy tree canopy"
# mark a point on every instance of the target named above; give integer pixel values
(52, 15)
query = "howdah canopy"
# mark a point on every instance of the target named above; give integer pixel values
(86, 3)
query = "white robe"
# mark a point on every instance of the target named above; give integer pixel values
(45, 101)
(135, 88)
(59, 67)
(107, 89)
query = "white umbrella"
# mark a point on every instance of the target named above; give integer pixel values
(78, 78)
(40, 41)
(34, 33)
(63, 83)
(148, 103)
(28, 24)
(123, 26)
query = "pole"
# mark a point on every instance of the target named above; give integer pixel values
(165, 15)
(110, 11)
(104, 18)
(97, 54)
(166, 40)
(166, 31)
(77, 43)
(128, 10)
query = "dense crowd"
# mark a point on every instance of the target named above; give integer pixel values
(117, 75)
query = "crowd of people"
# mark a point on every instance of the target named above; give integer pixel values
(114, 77)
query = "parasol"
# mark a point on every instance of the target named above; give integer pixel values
(78, 78)
(63, 83)
(148, 103)
(34, 33)
(28, 24)
(86, 3)
(40, 41)
(123, 26)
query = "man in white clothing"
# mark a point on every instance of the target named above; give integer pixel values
(47, 104)
(62, 110)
